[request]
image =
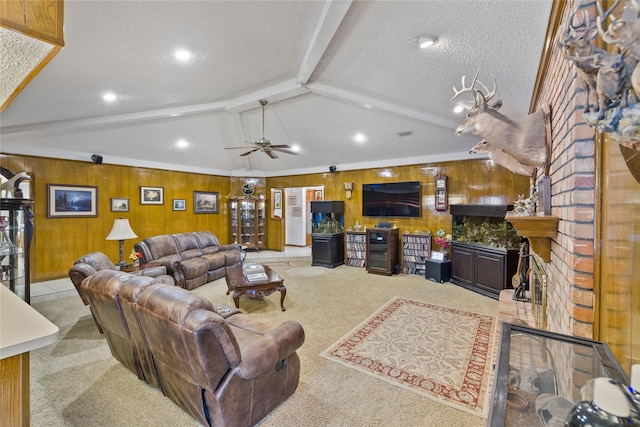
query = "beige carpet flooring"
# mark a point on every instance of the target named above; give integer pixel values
(76, 382)
(437, 352)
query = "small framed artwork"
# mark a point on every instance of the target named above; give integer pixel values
(179, 205)
(205, 202)
(71, 201)
(441, 197)
(318, 195)
(276, 203)
(296, 211)
(293, 200)
(119, 205)
(151, 195)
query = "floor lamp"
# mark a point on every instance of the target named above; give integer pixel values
(121, 231)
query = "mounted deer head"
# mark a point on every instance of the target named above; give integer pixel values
(525, 138)
(502, 158)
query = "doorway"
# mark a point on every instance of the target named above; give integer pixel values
(297, 218)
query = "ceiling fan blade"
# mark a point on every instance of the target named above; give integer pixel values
(280, 146)
(282, 150)
(271, 154)
(249, 152)
(236, 148)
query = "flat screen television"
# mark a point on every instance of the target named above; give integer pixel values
(391, 199)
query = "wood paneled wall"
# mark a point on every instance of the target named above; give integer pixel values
(619, 290)
(470, 182)
(58, 242)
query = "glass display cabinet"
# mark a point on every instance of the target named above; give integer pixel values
(248, 218)
(540, 375)
(484, 248)
(16, 233)
(327, 233)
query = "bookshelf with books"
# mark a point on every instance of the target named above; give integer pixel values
(356, 248)
(416, 249)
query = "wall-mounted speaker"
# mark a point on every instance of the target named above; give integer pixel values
(332, 168)
(96, 158)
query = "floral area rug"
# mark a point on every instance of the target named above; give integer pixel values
(438, 352)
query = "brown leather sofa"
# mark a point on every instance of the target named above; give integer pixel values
(193, 259)
(93, 262)
(217, 364)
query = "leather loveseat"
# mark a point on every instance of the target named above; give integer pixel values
(93, 262)
(219, 365)
(193, 259)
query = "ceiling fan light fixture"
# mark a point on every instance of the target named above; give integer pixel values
(426, 41)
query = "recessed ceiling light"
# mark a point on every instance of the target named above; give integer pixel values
(295, 148)
(426, 41)
(182, 55)
(458, 109)
(109, 97)
(181, 143)
(360, 138)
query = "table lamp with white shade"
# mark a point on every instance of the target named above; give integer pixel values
(121, 231)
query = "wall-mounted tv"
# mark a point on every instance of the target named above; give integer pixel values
(391, 199)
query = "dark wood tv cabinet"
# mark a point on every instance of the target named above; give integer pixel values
(382, 251)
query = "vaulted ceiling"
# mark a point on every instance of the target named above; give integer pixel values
(329, 69)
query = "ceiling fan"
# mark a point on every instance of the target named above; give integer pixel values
(263, 144)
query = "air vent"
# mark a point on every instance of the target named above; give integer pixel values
(404, 133)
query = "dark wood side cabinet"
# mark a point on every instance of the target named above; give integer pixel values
(484, 251)
(327, 250)
(382, 251)
(327, 233)
(481, 269)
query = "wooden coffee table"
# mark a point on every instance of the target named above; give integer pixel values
(238, 283)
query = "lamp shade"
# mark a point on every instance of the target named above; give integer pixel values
(121, 230)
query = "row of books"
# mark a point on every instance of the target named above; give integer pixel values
(357, 246)
(356, 254)
(356, 238)
(416, 245)
(410, 258)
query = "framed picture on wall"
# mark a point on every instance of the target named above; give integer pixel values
(441, 197)
(205, 202)
(119, 205)
(71, 201)
(293, 200)
(151, 195)
(179, 205)
(276, 203)
(296, 211)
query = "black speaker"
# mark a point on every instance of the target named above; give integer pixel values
(97, 159)
(332, 168)
(437, 271)
(383, 225)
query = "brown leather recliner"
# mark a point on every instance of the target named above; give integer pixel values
(112, 295)
(218, 365)
(93, 262)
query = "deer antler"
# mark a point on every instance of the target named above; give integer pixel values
(477, 94)
(605, 15)
(608, 36)
(464, 88)
(490, 93)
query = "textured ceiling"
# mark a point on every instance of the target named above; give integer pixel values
(329, 69)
